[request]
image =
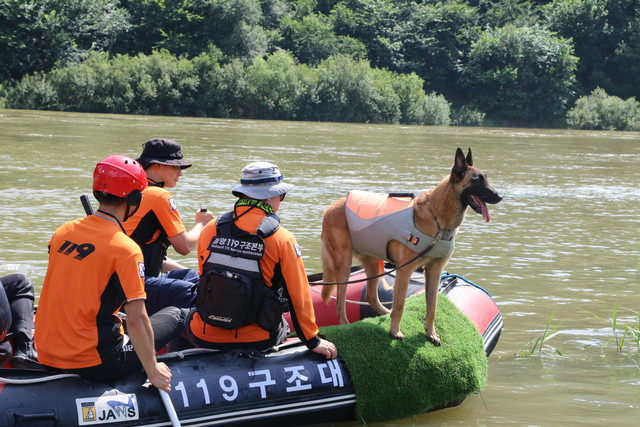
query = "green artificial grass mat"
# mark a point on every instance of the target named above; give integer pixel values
(399, 379)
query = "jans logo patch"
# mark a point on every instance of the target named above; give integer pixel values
(298, 251)
(117, 408)
(173, 204)
(141, 269)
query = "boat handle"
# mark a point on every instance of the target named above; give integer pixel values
(171, 411)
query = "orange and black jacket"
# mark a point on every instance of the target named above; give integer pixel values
(283, 258)
(94, 269)
(156, 220)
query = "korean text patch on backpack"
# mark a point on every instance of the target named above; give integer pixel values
(232, 292)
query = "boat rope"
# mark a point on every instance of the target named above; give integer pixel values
(181, 354)
(445, 275)
(351, 301)
(37, 380)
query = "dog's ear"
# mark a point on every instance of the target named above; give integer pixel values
(469, 157)
(460, 166)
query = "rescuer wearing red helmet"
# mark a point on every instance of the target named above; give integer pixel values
(94, 271)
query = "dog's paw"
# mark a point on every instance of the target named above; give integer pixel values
(397, 336)
(434, 339)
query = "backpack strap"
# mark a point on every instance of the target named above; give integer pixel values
(269, 225)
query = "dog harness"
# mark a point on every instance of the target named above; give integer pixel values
(376, 219)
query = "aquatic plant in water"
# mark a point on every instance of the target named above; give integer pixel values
(624, 335)
(540, 343)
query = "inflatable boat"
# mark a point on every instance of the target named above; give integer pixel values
(290, 386)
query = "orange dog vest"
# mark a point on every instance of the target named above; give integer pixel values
(376, 219)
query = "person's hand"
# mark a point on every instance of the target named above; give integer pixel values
(327, 349)
(203, 217)
(161, 377)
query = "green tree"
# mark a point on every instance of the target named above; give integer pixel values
(351, 91)
(498, 13)
(160, 84)
(437, 41)
(226, 88)
(379, 24)
(520, 74)
(586, 23)
(600, 111)
(412, 98)
(607, 41)
(622, 70)
(33, 92)
(178, 26)
(428, 38)
(191, 26)
(274, 87)
(36, 34)
(313, 40)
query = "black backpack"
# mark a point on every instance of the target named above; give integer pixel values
(232, 291)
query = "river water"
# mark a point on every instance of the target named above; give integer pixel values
(562, 248)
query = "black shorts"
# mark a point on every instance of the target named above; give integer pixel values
(167, 324)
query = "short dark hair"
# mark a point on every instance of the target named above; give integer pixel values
(108, 199)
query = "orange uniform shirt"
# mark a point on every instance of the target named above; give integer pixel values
(156, 219)
(282, 249)
(94, 268)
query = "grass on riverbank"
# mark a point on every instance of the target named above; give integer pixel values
(399, 379)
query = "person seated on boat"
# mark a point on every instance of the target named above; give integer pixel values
(157, 225)
(16, 321)
(94, 271)
(249, 242)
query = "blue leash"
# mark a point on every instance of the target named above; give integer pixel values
(445, 275)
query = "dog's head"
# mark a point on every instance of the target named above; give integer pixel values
(472, 185)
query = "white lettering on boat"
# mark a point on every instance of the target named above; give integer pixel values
(275, 381)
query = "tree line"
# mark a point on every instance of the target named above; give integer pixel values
(467, 62)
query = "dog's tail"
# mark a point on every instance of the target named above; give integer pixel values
(328, 272)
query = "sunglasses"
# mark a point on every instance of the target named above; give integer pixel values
(282, 196)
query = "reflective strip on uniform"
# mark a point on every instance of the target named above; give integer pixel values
(234, 262)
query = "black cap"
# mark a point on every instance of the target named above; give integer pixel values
(162, 151)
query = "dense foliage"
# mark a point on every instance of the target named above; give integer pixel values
(600, 111)
(466, 62)
(274, 87)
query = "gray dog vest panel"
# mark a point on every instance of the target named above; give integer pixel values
(376, 219)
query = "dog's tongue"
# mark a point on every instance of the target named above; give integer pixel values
(483, 207)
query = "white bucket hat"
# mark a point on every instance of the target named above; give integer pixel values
(261, 181)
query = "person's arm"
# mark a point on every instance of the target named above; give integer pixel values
(301, 304)
(185, 242)
(169, 265)
(141, 335)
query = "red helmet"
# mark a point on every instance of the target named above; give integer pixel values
(119, 175)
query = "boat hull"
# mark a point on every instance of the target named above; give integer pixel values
(292, 386)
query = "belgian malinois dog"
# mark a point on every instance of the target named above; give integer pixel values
(436, 213)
